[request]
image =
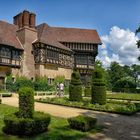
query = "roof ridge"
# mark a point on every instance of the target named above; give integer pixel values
(73, 28)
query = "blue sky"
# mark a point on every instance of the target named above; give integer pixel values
(98, 14)
(102, 15)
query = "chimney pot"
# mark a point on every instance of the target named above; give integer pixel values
(26, 18)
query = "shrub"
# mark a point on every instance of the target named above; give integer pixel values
(10, 86)
(124, 85)
(75, 87)
(26, 126)
(98, 88)
(41, 84)
(87, 90)
(0, 101)
(26, 102)
(83, 123)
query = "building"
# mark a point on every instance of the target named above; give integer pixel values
(30, 50)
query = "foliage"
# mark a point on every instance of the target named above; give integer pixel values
(124, 84)
(23, 82)
(87, 91)
(82, 123)
(138, 42)
(75, 87)
(10, 86)
(26, 126)
(0, 101)
(120, 108)
(19, 83)
(41, 83)
(26, 102)
(115, 72)
(59, 79)
(98, 88)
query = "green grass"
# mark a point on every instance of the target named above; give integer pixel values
(58, 129)
(124, 96)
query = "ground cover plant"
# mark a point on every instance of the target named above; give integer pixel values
(125, 108)
(58, 129)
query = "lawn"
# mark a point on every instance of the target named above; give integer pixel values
(58, 129)
(124, 96)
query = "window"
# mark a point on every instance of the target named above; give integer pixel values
(52, 54)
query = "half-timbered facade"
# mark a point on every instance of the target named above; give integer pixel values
(30, 50)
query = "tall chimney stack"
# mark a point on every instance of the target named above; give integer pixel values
(32, 20)
(25, 19)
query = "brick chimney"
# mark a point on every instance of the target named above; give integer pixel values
(25, 19)
(32, 20)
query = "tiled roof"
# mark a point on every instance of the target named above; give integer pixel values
(76, 35)
(61, 34)
(8, 35)
(47, 36)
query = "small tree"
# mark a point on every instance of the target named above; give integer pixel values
(26, 102)
(87, 86)
(98, 88)
(75, 87)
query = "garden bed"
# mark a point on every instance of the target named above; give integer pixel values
(125, 108)
(58, 129)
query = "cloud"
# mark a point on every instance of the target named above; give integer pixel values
(120, 46)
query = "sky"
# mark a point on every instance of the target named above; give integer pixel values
(115, 21)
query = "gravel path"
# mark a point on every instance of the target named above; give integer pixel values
(115, 127)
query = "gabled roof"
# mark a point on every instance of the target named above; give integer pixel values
(60, 34)
(76, 35)
(8, 35)
(47, 36)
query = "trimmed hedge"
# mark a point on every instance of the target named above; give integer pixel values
(82, 123)
(75, 87)
(99, 94)
(98, 88)
(87, 90)
(26, 102)
(26, 126)
(6, 94)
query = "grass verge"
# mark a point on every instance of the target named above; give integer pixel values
(58, 129)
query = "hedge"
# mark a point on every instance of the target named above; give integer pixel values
(75, 87)
(98, 88)
(26, 126)
(82, 123)
(26, 102)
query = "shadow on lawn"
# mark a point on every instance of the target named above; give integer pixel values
(117, 127)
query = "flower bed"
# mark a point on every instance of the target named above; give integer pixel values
(120, 108)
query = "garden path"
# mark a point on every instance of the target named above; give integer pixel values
(115, 127)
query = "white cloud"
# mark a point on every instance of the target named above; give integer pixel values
(119, 46)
